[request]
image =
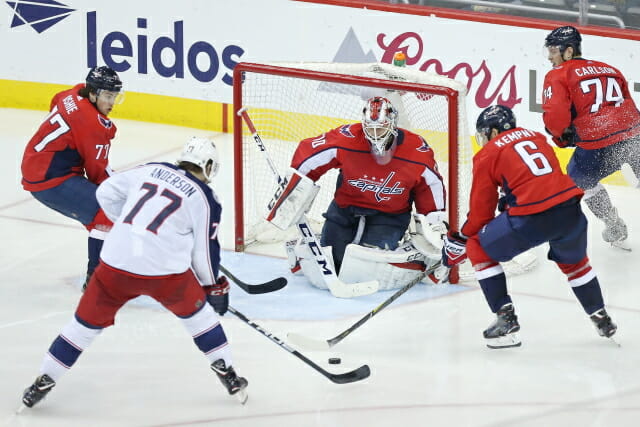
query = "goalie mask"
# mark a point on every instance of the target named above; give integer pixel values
(496, 117)
(380, 126)
(201, 152)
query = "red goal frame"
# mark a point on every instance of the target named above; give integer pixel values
(239, 132)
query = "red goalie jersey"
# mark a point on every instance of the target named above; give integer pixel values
(524, 166)
(74, 139)
(411, 176)
(594, 97)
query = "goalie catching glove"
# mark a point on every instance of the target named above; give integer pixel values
(430, 230)
(454, 250)
(292, 199)
(218, 295)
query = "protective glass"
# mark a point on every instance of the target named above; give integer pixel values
(114, 98)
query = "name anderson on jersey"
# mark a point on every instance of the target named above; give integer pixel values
(173, 179)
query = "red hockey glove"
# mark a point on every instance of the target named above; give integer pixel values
(100, 222)
(218, 295)
(454, 250)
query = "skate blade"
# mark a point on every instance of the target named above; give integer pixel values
(242, 396)
(615, 342)
(21, 408)
(507, 341)
(622, 245)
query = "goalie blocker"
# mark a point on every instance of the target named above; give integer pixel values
(292, 200)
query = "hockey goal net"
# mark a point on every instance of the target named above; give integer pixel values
(290, 102)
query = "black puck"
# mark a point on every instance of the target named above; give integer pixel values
(334, 360)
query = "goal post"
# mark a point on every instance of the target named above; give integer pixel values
(291, 102)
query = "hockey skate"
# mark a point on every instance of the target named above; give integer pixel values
(38, 390)
(502, 333)
(603, 323)
(615, 231)
(234, 384)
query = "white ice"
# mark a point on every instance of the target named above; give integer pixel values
(429, 364)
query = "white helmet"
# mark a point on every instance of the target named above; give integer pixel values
(200, 151)
(380, 124)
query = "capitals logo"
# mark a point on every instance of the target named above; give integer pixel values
(379, 188)
(105, 122)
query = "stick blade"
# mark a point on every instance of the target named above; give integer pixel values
(270, 286)
(350, 377)
(307, 342)
(340, 289)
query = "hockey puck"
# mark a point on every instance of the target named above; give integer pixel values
(334, 360)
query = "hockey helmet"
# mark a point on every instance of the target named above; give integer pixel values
(380, 124)
(104, 78)
(563, 37)
(201, 151)
(494, 117)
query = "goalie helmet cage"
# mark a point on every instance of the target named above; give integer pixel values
(289, 102)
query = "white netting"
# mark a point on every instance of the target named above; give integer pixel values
(286, 109)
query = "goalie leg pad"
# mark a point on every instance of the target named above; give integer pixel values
(292, 199)
(309, 266)
(392, 269)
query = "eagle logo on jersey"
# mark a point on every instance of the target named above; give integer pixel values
(346, 131)
(424, 148)
(105, 122)
(379, 188)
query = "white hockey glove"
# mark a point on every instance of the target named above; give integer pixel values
(430, 229)
(292, 200)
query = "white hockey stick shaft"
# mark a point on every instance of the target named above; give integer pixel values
(629, 176)
(338, 288)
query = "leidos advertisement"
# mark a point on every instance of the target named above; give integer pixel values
(188, 49)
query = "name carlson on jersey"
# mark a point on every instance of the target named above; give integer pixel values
(378, 188)
(174, 180)
(585, 71)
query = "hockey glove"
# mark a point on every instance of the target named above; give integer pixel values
(218, 295)
(454, 250)
(567, 139)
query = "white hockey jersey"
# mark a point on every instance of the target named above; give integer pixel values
(165, 222)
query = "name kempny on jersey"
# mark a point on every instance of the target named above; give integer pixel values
(513, 136)
(174, 179)
(377, 188)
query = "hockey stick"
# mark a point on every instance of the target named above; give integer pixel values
(313, 344)
(348, 377)
(629, 176)
(336, 286)
(258, 288)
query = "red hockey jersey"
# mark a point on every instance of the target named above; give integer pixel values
(410, 177)
(594, 97)
(523, 165)
(74, 139)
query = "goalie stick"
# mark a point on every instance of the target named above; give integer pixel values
(348, 377)
(337, 287)
(314, 344)
(258, 288)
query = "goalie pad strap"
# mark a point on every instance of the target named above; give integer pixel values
(291, 200)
